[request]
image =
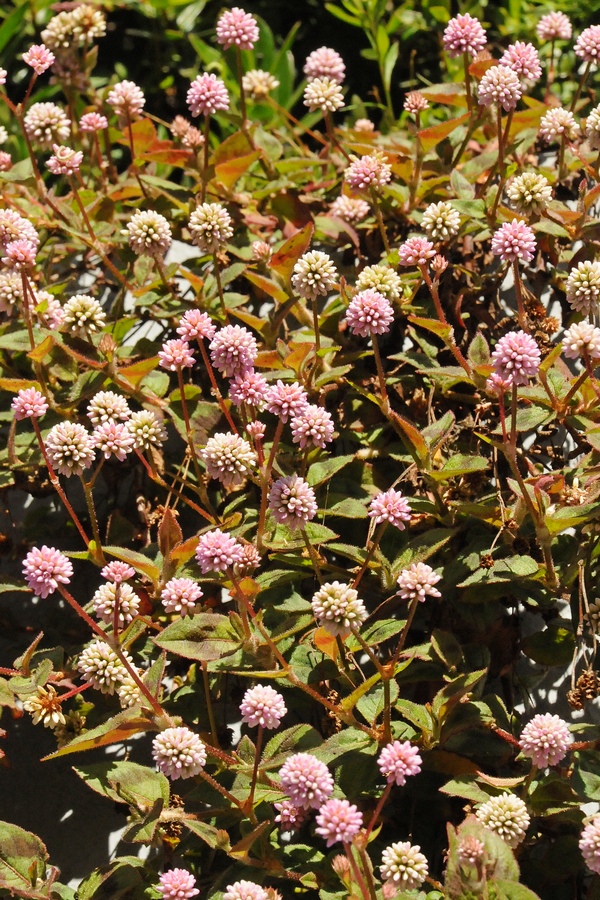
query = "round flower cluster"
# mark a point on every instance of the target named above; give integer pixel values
(237, 28)
(581, 338)
(338, 609)
(382, 279)
(249, 387)
(292, 501)
(83, 313)
(117, 572)
(228, 458)
(44, 568)
(416, 251)
(64, 161)
(369, 313)
(592, 128)
(587, 46)
(390, 506)
(558, 123)
(149, 234)
(418, 581)
(583, 287)
(29, 404)
(546, 739)
(306, 780)
(441, 221)
(324, 94)
(100, 666)
(415, 103)
(147, 430)
(210, 227)
(180, 595)
(514, 240)
(589, 844)
(350, 209)
(179, 753)
(217, 551)
(177, 884)
(464, 34)
(127, 100)
(106, 406)
(196, 325)
(175, 355)
(404, 866)
(314, 426)
(338, 820)
(207, 95)
(523, 59)
(370, 171)
(13, 227)
(470, 850)
(233, 350)
(105, 598)
(286, 401)
(500, 85)
(314, 274)
(398, 760)
(263, 706)
(506, 816)
(47, 124)
(114, 439)
(245, 890)
(554, 26)
(39, 58)
(516, 358)
(258, 84)
(530, 193)
(325, 63)
(70, 448)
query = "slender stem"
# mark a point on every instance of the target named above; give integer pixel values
(380, 372)
(368, 873)
(467, 81)
(381, 669)
(357, 873)
(411, 614)
(205, 158)
(450, 342)
(259, 740)
(215, 387)
(265, 479)
(158, 480)
(188, 427)
(550, 78)
(313, 555)
(240, 74)
(57, 485)
(387, 710)
(89, 499)
(519, 294)
(332, 136)
(315, 315)
(561, 158)
(573, 389)
(223, 791)
(513, 418)
(211, 715)
(372, 548)
(500, 162)
(582, 81)
(217, 273)
(380, 222)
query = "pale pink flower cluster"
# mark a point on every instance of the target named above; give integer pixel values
(176, 354)
(245, 890)
(70, 448)
(114, 439)
(233, 350)
(217, 551)
(390, 506)
(177, 884)
(587, 46)
(292, 501)
(179, 753)
(105, 598)
(323, 93)
(44, 568)
(370, 171)
(29, 404)
(523, 59)
(500, 85)
(180, 595)
(416, 251)
(557, 123)
(350, 209)
(249, 387)
(418, 580)
(514, 240)
(92, 122)
(398, 760)
(338, 820)
(196, 325)
(554, 26)
(325, 63)
(237, 28)
(313, 426)
(306, 780)
(464, 34)
(516, 358)
(582, 338)
(262, 705)
(39, 58)
(403, 866)
(415, 103)
(228, 458)
(286, 401)
(207, 95)
(589, 844)
(117, 572)
(369, 313)
(546, 739)
(290, 817)
(338, 608)
(127, 99)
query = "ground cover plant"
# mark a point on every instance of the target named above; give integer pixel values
(302, 438)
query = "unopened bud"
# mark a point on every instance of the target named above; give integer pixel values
(439, 264)
(107, 345)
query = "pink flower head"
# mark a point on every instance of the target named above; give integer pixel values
(514, 240)
(207, 95)
(45, 568)
(6, 162)
(589, 844)
(500, 85)
(290, 817)
(256, 430)
(3, 76)
(325, 63)
(418, 581)
(177, 884)
(29, 404)
(554, 26)
(464, 34)
(292, 501)
(351, 209)
(19, 255)
(546, 739)
(237, 28)
(390, 506)
(233, 350)
(228, 458)
(70, 448)
(14, 227)
(371, 171)
(581, 338)
(39, 58)
(587, 46)
(262, 705)
(245, 890)
(217, 551)
(416, 251)
(93, 121)
(178, 753)
(176, 354)
(312, 426)
(369, 313)
(64, 160)
(117, 572)
(114, 439)
(127, 99)
(398, 760)
(306, 780)
(249, 387)
(523, 59)
(557, 124)
(286, 400)
(338, 820)
(470, 850)
(196, 325)
(180, 595)
(516, 358)
(415, 102)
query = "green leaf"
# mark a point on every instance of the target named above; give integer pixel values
(512, 890)
(204, 637)
(430, 137)
(292, 740)
(571, 517)
(139, 562)
(465, 786)
(116, 729)
(439, 431)
(125, 782)
(515, 568)
(22, 860)
(325, 469)
(551, 647)
(463, 189)
(391, 58)
(458, 465)
(376, 634)
(479, 351)
(345, 741)
(214, 837)
(422, 547)
(120, 879)
(585, 778)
